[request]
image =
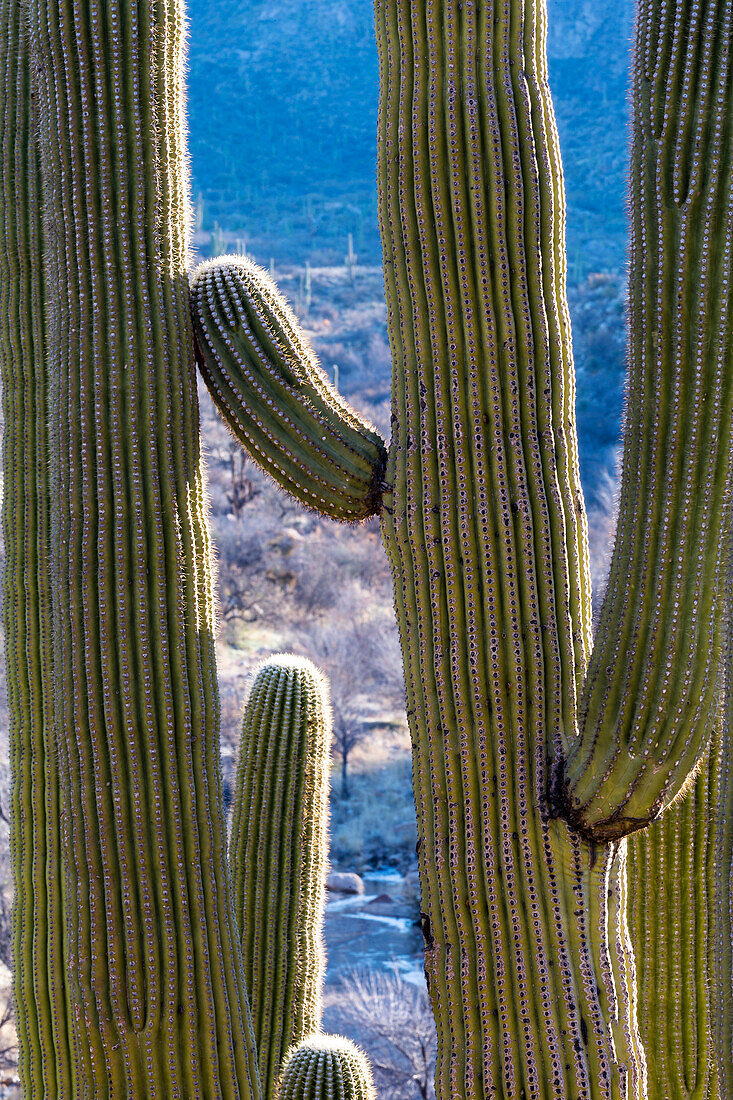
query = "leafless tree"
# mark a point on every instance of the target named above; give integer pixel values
(357, 654)
(243, 489)
(399, 1016)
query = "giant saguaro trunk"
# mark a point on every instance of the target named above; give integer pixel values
(157, 1005)
(487, 541)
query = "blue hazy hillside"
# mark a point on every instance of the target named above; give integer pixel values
(282, 107)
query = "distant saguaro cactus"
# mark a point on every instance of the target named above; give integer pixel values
(278, 854)
(323, 1067)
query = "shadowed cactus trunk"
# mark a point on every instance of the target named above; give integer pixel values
(37, 848)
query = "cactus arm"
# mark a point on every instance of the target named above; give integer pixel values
(266, 383)
(154, 969)
(326, 1066)
(41, 1004)
(278, 854)
(651, 686)
(672, 867)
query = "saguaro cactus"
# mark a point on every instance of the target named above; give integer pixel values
(333, 461)
(150, 956)
(325, 1066)
(278, 854)
(528, 771)
(672, 919)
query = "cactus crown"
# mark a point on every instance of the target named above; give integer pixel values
(326, 1066)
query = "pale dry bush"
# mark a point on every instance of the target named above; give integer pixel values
(601, 531)
(397, 1018)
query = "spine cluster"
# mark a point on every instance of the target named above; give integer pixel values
(267, 385)
(278, 854)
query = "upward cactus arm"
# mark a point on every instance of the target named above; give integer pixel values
(651, 686)
(268, 387)
(278, 854)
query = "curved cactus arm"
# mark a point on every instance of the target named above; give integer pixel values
(322, 1067)
(672, 888)
(278, 854)
(267, 385)
(651, 689)
(40, 955)
(154, 968)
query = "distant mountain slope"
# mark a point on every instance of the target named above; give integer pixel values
(282, 105)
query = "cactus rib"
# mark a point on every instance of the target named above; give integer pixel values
(37, 850)
(268, 387)
(278, 854)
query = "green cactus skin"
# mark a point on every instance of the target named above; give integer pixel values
(487, 539)
(154, 973)
(326, 1067)
(37, 847)
(278, 854)
(266, 383)
(528, 955)
(672, 867)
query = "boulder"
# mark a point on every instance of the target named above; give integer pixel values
(344, 882)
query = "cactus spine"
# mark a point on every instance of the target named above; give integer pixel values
(155, 980)
(278, 853)
(325, 1066)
